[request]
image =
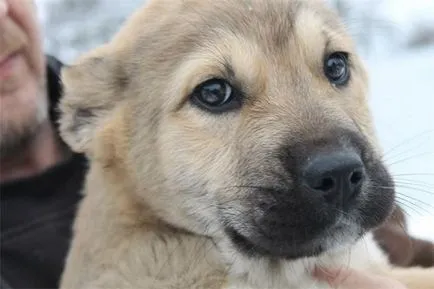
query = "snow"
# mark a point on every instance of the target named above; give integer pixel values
(401, 96)
(402, 102)
(404, 12)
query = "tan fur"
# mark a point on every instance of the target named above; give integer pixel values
(148, 218)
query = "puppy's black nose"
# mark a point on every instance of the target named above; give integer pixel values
(338, 176)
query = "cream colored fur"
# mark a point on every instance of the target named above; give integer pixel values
(149, 214)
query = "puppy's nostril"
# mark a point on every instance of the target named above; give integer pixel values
(356, 177)
(326, 185)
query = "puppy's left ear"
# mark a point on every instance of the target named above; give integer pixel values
(93, 88)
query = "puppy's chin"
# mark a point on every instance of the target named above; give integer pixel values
(340, 235)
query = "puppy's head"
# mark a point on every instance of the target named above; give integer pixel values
(241, 119)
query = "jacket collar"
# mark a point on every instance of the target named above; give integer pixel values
(54, 87)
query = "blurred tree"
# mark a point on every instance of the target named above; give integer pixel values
(75, 26)
(422, 35)
(363, 20)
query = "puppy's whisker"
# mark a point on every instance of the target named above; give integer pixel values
(348, 264)
(409, 208)
(412, 174)
(205, 256)
(405, 204)
(415, 200)
(416, 205)
(403, 197)
(415, 189)
(166, 262)
(406, 141)
(411, 149)
(397, 186)
(410, 158)
(247, 187)
(414, 183)
(405, 152)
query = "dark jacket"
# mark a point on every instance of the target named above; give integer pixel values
(37, 213)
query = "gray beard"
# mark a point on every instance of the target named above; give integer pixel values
(16, 136)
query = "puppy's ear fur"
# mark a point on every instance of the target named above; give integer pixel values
(92, 86)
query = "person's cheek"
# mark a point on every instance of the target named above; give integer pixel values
(3, 8)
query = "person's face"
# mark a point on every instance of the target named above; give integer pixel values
(23, 101)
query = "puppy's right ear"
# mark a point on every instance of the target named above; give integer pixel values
(93, 87)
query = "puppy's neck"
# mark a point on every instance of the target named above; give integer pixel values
(267, 273)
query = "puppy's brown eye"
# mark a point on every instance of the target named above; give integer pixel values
(336, 68)
(215, 95)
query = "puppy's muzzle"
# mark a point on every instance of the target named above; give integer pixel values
(321, 192)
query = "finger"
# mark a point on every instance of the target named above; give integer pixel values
(348, 278)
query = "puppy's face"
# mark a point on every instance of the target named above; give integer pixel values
(245, 119)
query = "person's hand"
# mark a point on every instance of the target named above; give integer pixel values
(345, 278)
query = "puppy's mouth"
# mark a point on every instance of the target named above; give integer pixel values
(252, 248)
(340, 233)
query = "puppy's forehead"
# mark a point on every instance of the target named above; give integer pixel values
(246, 37)
(272, 23)
(254, 37)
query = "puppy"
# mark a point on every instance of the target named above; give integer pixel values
(230, 146)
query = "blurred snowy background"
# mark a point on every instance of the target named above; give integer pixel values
(396, 39)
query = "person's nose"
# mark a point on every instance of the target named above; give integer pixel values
(3, 9)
